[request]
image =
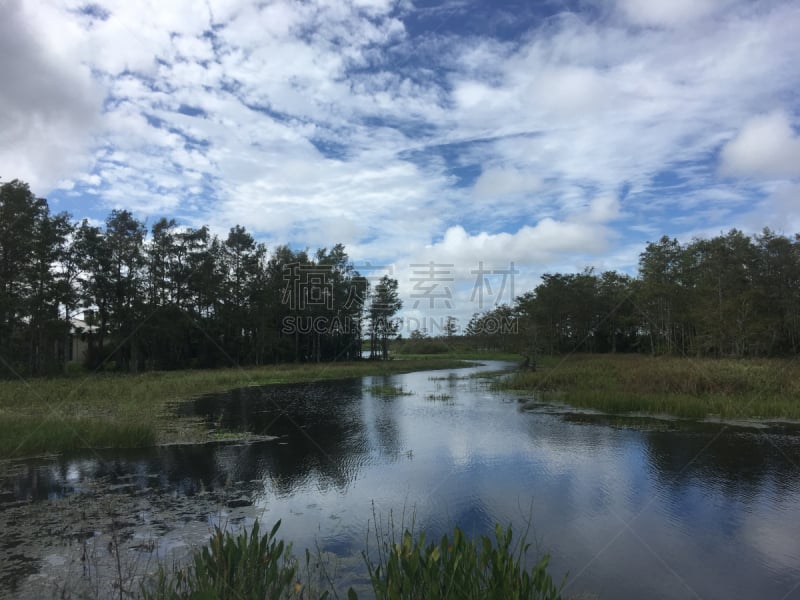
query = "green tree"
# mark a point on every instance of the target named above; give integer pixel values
(32, 243)
(663, 298)
(450, 327)
(123, 241)
(384, 306)
(778, 279)
(242, 260)
(50, 293)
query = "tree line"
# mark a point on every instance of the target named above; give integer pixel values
(173, 297)
(181, 297)
(729, 296)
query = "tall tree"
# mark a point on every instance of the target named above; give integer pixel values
(32, 242)
(124, 242)
(384, 306)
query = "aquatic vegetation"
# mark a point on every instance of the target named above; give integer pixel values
(251, 565)
(459, 568)
(247, 565)
(388, 390)
(450, 377)
(441, 397)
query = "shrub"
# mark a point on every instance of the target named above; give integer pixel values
(243, 566)
(459, 569)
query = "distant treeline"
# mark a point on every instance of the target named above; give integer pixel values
(176, 298)
(732, 295)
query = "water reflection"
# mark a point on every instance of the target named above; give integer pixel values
(631, 508)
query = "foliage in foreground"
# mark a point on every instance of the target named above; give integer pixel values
(249, 565)
(459, 569)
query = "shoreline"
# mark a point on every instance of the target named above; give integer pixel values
(120, 410)
(532, 405)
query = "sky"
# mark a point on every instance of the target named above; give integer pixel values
(462, 147)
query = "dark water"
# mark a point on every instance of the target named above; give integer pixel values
(629, 508)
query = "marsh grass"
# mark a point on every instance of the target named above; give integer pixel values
(450, 377)
(124, 411)
(25, 435)
(684, 387)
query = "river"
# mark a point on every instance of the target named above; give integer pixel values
(626, 507)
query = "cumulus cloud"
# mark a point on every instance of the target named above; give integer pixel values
(529, 245)
(767, 146)
(49, 104)
(583, 232)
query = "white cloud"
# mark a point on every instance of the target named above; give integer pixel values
(583, 232)
(669, 13)
(49, 104)
(571, 91)
(596, 108)
(767, 147)
(779, 210)
(496, 183)
(321, 122)
(601, 210)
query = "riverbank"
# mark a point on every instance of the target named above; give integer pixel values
(125, 411)
(682, 387)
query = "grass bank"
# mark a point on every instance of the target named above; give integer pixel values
(126, 411)
(684, 387)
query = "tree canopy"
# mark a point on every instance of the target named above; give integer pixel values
(731, 295)
(171, 297)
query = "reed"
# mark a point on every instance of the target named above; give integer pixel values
(684, 387)
(459, 568)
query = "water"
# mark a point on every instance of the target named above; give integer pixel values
(629, 508)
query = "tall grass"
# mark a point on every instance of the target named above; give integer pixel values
(25, 435)
(458, 568)
(685, 387)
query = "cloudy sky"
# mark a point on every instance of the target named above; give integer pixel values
(553, 134)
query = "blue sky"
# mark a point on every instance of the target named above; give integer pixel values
(553, 135)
